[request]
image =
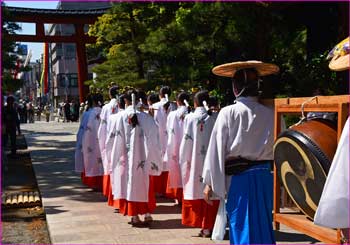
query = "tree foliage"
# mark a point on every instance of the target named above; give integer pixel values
(178, 43)
(9, 56)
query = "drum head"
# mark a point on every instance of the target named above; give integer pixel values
(302, 168)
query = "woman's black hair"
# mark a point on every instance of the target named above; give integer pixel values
(213, 101)
(121, 101)
(89, 101)
(181, 97)
(141, 94)
(128, 96)
(113, 91)
(153, 98)
(201, 96)
(165, 90)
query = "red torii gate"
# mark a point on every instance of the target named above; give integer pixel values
(58, 16)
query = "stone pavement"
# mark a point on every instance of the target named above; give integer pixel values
(78, 215)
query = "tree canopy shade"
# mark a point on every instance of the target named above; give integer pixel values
(178, 43)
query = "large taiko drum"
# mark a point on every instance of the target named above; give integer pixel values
(303, 155)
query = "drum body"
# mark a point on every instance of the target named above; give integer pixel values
(303, 155)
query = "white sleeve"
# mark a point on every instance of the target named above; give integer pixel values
(214, 163)
(154, 157)
(186, 148)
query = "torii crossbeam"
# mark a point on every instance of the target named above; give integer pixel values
(58, 16)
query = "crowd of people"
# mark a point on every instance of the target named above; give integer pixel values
(69, 111)
(136, 147)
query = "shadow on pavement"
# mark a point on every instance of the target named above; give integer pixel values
(163, 209)
(287, 237)
(169, 224)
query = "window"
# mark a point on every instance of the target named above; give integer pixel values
(73, 82)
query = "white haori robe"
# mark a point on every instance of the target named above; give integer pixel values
(333, 208)
(197, 130)
(79, 159)
(236, 123)
(91, 151)
(110, 138)
(106, 112)
(137, 150)
(175, 124)
(160, 117)
(117, 173)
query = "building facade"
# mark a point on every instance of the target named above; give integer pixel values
(63, 63)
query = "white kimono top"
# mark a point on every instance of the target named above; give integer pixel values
(118, 172)
(91, 150)
(197, 130)
(137, 151)
(107, 110)
(244, 129)
(79, 159)
(160, 116)
(175, 124)
(333, 208)
(110, 134)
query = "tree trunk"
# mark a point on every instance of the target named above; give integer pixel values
(139, 58)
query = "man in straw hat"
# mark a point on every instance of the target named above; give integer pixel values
(333, 208)
(241, 148)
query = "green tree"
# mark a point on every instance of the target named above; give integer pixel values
(120, 33)
(178, 44)
(9, 55)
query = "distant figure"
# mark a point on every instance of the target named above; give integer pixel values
(66, 109)
(59, 112)
(74, 110)
(24, 112)
(10, 122)
(30, 112)
(38, 113)
(81, 111)
(47, 112)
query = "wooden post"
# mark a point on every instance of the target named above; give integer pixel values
(81, 61)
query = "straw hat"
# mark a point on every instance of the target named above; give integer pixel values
(340, 56)
(229, 69)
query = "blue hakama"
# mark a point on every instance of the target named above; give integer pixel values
(249, 206)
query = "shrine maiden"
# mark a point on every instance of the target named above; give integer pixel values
(107, 110)
(161, 110)
(197, 130)
(137, 154)
(175, 124)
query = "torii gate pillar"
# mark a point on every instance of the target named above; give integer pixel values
(82, 62)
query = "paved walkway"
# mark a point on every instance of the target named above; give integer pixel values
(76, 214)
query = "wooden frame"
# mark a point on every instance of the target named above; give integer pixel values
(339, 104)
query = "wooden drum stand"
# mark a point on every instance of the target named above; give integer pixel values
(338, 104)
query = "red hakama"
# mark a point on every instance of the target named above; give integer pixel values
(197, 213)
(106, 186)
(174, 193)
(94, 182)
(160, 183)
(135, 208)
(111, 202)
